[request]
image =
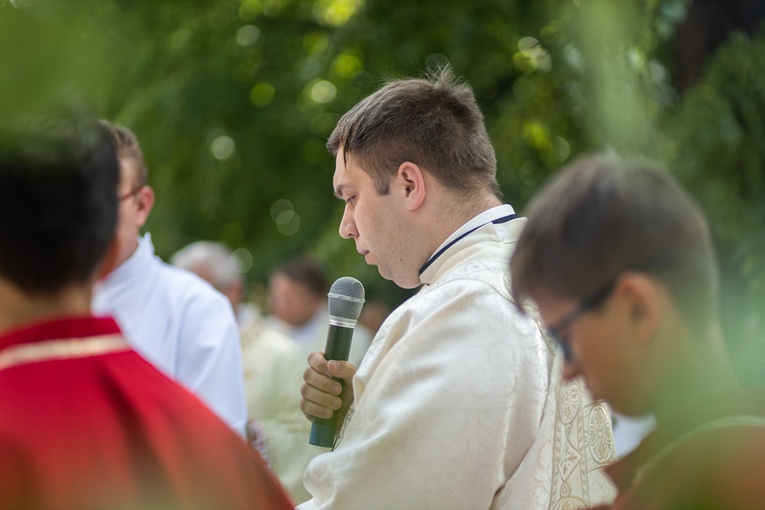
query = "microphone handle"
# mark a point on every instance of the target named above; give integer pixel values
(338, 347)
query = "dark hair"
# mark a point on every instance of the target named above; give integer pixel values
(433, 122)
(307, 272)
(58, 202)
(604, 214)
(128, 148)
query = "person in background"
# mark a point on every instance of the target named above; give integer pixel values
(458, 402)
(273, 370)
(172, 317)
(620, 263)
(85, 421)
(297, 297)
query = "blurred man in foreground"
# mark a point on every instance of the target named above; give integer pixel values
(621, 265)
(457, 403)
(85, 422)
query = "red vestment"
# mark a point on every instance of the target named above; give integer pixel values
(86, 423)
(709, 454)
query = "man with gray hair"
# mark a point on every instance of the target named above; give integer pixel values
(214, 263)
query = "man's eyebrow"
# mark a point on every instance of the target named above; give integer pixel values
(339, 192)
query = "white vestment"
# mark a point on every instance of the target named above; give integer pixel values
(181, 324)
(458, 404)
(273, 375)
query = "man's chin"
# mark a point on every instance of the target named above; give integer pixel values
(404, 283)
(386, 275)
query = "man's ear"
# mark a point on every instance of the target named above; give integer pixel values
(644, 299)
(411, 184)
(145, 203)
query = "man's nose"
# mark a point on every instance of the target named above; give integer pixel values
(348, 226)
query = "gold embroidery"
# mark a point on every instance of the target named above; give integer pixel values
(61, 349)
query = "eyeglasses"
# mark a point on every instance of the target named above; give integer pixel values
(130, 193)
(585, 305)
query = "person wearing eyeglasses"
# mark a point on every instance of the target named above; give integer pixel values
(620, 263)
(172, 317)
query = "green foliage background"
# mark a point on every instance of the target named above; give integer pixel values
(233, 100)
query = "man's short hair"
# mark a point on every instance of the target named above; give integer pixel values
(604, 214)
(214, 257)
(58, 203)
(434, 123)
(306, 272)
(128, 148)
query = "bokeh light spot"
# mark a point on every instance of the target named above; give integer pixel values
(241, 260)
(336, 12)
(248, 35)
(262, 93)
(281, 206)
(223, 148)
(346, 65)
(288, 223)
(323, 92)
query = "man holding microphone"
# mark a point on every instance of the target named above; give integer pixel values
(456, 403)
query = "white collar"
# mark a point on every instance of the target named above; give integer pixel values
(501, 212)
(143, 253)
(483, 218)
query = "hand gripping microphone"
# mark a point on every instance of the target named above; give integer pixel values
(346, 297)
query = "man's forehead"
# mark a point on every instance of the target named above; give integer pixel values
(337, 184)
(285, 282)
(548, 303)
(345, 175)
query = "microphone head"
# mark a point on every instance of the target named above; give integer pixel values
(346, 297)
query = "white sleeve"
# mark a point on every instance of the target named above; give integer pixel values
(209, 356)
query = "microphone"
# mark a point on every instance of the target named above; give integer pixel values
(346, 297)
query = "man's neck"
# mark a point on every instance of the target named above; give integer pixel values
(453, 212)
(129, 251)
(465, 210)
(18, 308)
(705, 371)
